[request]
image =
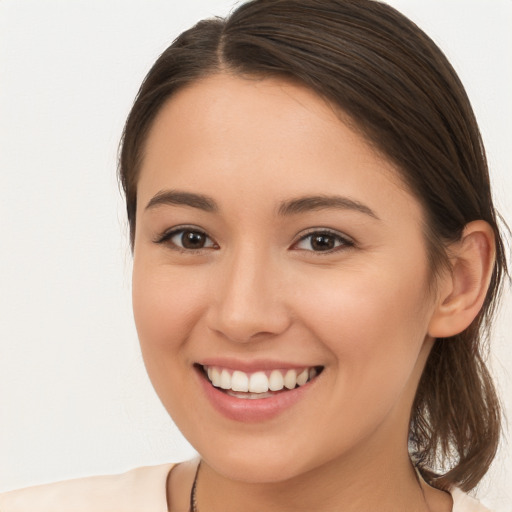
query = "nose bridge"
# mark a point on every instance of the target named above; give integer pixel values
(248, 302)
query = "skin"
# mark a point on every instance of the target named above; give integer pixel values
(258, 290)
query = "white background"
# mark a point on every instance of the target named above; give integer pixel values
(74, 398)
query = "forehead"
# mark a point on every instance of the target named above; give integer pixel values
(253, 133)
(254, 113)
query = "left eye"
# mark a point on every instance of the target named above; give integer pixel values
(322, 241)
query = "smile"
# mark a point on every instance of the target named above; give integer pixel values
(250, 392)
(260, 384)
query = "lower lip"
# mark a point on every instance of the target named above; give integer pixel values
(252, 410)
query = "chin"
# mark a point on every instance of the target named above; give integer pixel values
(258, 464)
(254, 472)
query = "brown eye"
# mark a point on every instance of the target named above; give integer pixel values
(187, 239)
(192, 239)
(323, 241)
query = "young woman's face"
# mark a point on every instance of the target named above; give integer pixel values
(273, 243)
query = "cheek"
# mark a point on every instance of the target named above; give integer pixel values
(166, 305)
(374, 324)
(361, 303)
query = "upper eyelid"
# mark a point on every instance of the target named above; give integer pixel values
(170, 232)
(329, 231)
(347, 242)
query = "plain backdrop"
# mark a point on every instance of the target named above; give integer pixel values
(74, 397)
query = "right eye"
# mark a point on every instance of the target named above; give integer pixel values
(187, 239)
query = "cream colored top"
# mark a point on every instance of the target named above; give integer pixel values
(139, 490)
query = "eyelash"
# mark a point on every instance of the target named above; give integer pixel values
(167, 236)
(342, 241)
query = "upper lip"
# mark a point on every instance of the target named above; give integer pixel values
(253, 365)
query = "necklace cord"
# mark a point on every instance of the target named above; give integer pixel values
(193, 500)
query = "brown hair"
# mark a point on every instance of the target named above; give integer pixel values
(400, 91)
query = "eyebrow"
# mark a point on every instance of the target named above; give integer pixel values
(179, 198)
(321, 202)
(286, 208)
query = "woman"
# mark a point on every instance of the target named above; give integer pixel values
(316, 259)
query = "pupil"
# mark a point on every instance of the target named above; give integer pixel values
(322, 242)
(192, 240)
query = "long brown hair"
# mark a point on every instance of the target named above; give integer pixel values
(402, 94)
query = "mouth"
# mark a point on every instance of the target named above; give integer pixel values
(260, 384)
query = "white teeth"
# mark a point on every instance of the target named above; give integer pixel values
(290, 379)
(276, 381)
(239, 381)
(258, 383)
(214, 376)
(302, 378)
(225, 380)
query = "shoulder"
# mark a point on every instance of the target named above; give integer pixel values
(464, 503)
(139, 489)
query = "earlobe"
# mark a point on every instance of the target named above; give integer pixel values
(462, 291)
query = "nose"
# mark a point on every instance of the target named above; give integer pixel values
(248, 299)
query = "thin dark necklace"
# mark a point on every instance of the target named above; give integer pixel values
(193, 500)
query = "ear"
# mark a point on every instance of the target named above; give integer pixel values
(462, 290)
